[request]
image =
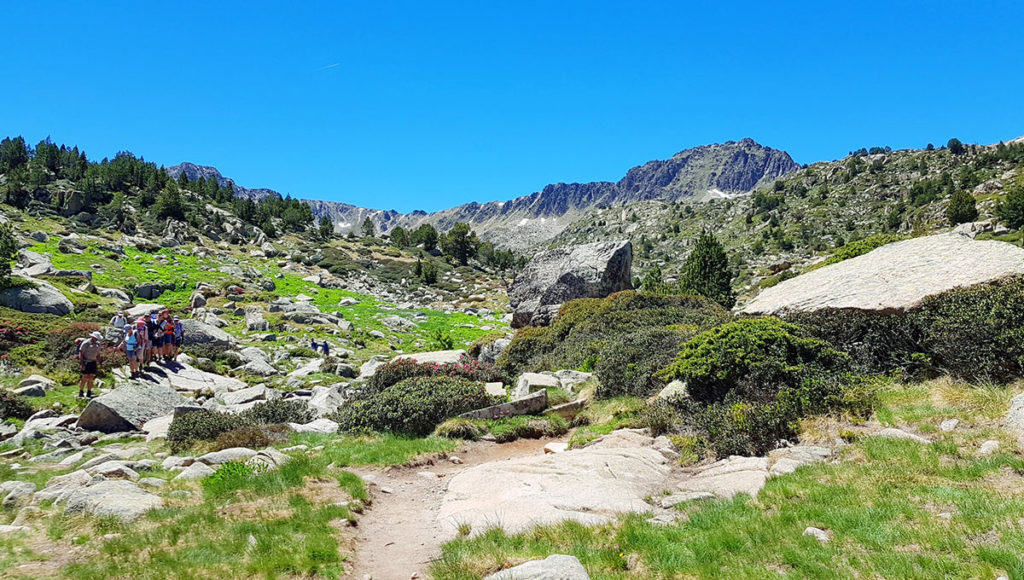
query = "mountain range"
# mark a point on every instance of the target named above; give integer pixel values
(701, 173)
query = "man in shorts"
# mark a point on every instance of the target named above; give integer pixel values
(89, 358)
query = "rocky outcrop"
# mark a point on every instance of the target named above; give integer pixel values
(556, 567)
(895, 277)
(129, 407)
(437, 357)
(37, 298)
(558, 276)
(591, 485)
(1014, 422)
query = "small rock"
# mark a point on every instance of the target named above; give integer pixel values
(455, 459)
(988, 448)
(949, 424)
(195, 471)
(819, 534)
(557, 566)
(892, 433)
(556, 447)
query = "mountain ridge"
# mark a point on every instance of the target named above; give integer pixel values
(702, 172)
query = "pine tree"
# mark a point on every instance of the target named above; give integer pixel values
(1011, 209)
(961, 208)
(8, 252)
(368, 228)
(460, 243)
(326, 227)
(707, 272)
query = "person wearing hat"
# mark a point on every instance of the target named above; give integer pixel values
(89, 357)
(143, 336)
(130, 346)
(118, 321)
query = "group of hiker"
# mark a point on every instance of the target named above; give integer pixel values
(151, 338)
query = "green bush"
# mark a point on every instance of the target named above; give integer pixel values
(279, 411)
(459, 428)
(231, 476)
(757, 357)
(972, 333)
(628, 365)
(660, 417)
(252, 437)
(414, 406)
(394, 372)
(13, 406)
(583, 327)
(188, 428)
(513, 428)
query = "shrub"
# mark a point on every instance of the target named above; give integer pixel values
(413, 406)
(279, 411)
(396, 371)
(1011, 209)
(459, 428)
(187, 428)
(971, 333)
(660, 417)
(961, 208)
(231, 476)
(523, 427)
(13, 406)
(584, 326)
(749, 429)
(303, 352)
(757, 357)
(627, 366)
(252, 436)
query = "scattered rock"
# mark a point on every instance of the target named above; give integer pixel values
(673, 390)
(949, 424)
(530, 382)
(318, 426)
(556, 447)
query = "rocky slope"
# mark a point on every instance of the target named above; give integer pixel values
(701, 173)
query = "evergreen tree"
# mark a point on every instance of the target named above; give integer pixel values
(169, 204)
(1011, 209)
(707, 272)
(400, 237)
(460, 243)
(368, 228)
(8, 252)
(326, 227)
(653, 282)
(961, 208)
(955, 146)
(426, 235)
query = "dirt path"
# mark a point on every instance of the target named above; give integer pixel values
(398, 535)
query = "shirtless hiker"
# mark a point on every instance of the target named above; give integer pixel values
(89, 358)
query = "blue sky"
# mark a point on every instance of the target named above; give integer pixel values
(406, 105)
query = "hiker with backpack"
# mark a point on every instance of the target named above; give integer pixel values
(89, 358)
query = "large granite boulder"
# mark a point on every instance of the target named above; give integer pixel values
(37, 298)
(196, 332)
(895, 277)
(437, 357)
(558, 276)
(119, 499)
(129, 407)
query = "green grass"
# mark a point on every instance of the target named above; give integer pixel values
(895, 509)
(347, 451)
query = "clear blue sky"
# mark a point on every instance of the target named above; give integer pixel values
(409, 105)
